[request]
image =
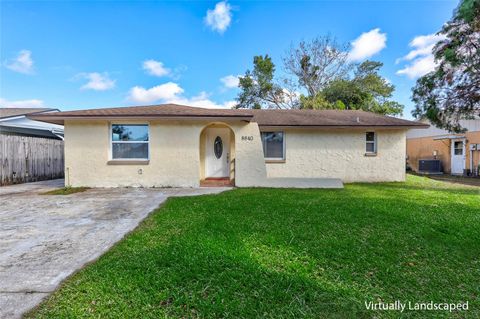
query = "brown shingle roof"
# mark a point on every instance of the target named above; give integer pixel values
(305, 118)
(17, 111)
(150, 111)
(328, 118)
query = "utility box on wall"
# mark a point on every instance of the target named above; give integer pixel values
(475, 147)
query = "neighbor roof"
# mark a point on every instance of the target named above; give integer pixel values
(294, 118)
(18, 111)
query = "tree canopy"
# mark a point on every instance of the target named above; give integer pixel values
(315, 64)
(318, 76)
(258, 88)
(452, 91)
(366, 91)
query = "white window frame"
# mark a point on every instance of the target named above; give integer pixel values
(110, 155)
(461, 148)
(273, 159)
(374, 142)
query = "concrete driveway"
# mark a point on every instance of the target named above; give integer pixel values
(45, 238)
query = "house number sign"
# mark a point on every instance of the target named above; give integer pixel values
(247, 138)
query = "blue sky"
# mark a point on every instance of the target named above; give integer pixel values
(78, 55)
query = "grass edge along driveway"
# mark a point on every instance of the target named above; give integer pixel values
(288, 253)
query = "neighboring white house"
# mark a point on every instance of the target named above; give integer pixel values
(29, 150)
(14, 121)
(181, 146)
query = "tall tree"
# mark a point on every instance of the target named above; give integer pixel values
(321, 70)
(366, 90)
(318, 62)
(452, 91)
(259, 89)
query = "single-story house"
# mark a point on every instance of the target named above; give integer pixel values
(458, 153)
(180, 146)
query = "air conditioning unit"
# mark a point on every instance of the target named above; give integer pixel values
(430, 166)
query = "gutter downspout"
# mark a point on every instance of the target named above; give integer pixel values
(471, 160)
(57, 134)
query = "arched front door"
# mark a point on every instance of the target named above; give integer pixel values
(217, 152)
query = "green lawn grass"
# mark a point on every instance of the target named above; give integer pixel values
(65, 191)
(285, 253)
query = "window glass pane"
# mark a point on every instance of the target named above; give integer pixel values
(370, 136)
(130, 150)
(264, 135)
(122, 132)
(458, 148)
(370, 147)
(218, 147)
(272, 144)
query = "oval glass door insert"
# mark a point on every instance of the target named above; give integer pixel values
(218, 147)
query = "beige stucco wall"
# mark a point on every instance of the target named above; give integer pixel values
(341, 154)
(250, 169)
(175, 157)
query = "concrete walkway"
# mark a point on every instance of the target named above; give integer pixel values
(45, 238)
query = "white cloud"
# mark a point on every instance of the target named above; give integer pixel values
(97, 81)
(23, 63)
(230, 81)
(157, 93)
(419, 67)
(416, 53)
(422, 45)
(368, 44)
(426, 40)
(202, 100)
(21, 103)
(171, 92)
(421, 57)
(220, 17)
(155, 68)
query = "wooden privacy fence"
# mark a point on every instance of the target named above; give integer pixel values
(29, 159)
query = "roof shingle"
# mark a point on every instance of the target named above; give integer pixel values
(167, 110)
(299, 118)
(327, 118)
(17, 111)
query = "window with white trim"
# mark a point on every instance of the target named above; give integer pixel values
(129, 141)
(371, 143)
(458, 147)
(273, 145)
